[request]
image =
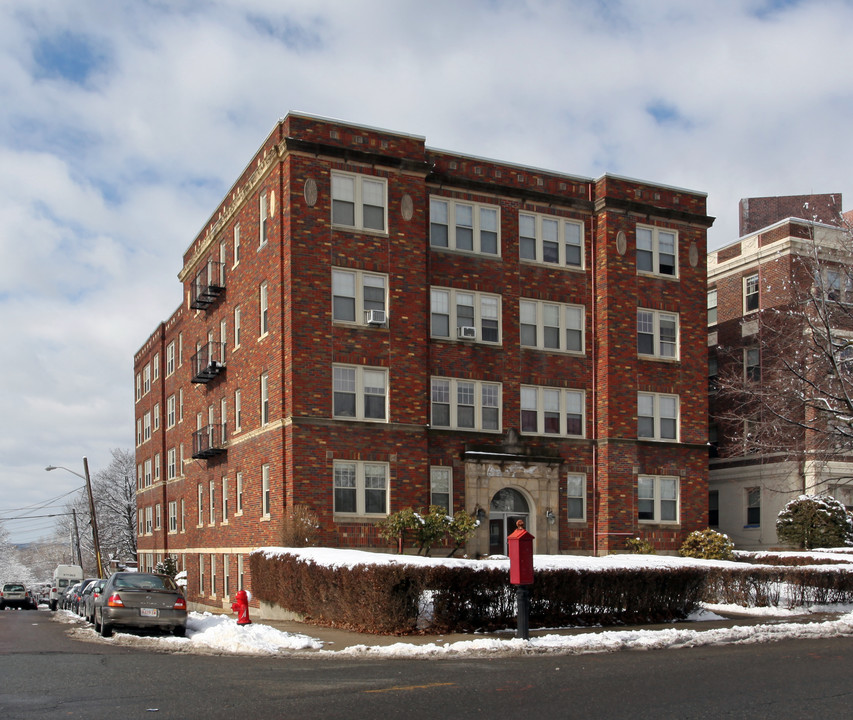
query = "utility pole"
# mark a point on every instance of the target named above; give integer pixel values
(77, 538)
(94, 520)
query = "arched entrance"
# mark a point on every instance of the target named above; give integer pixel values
(507, 507)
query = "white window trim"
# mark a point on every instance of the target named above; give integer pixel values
(441, 474)
(656, 520)
(582, 496)
(264, 310)
(173, 517)
(358, 299)
(238, 494)
(358, 202)
(265, 398)
(564, 394)
(266, 492)
(453, 311)
(170, 358)
(360, 488)
(563, 327)
(476, 241)
(264, 218)
(360, 394)
(657, 316)
(171, 414)
(656, 253)
(746, 282)
(746, 506)
(238, 319)
(453, 384)
(539, 236)
(656, 397)
(171, 464)
(236, 245)
(713, 299)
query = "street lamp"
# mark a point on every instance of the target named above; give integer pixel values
(95, 541)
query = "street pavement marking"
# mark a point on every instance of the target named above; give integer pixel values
(410, 687)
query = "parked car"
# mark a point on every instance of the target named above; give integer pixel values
(78, 595)
(140, 600)
(90, 594)
(15, 594)
(68, 596)
(63, 576)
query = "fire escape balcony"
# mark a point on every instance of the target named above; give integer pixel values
(209, 441)
(208, 363)
(208, 286)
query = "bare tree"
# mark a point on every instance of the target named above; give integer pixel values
(788, 392)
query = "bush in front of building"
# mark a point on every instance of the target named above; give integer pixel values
(428, 528)
(707, 544)
(638, 546)
(300, 528)
(811, 521)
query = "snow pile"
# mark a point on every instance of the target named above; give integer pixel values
(221, 632)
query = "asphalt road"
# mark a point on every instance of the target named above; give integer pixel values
(44, 673)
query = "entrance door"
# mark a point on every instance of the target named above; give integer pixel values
(507, 507)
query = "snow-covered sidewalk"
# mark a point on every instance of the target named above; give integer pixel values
(220, 634)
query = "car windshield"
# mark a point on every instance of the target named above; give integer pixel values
(140, 581)
(12, 587)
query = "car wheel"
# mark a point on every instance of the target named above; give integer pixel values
(179, 631)
(95, 621)
(106, 628)
(52, 605)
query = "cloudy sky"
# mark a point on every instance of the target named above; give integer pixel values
(123, 122)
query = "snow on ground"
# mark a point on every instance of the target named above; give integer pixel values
(213, 633)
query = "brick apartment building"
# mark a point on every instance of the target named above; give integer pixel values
(369, 324)
(766, 270)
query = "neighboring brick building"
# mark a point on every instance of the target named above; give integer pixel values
(766, 269)
(369, 324)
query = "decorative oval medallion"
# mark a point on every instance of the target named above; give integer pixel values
(310, 192)
(693, 254)
(407, 207)
(621, 242)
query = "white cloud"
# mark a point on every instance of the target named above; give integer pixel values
(123, 124)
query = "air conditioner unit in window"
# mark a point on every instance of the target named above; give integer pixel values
(375, 317)
(466, 332)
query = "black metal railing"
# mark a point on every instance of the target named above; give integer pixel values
(208, 285)
(209, 441)
(208, 362)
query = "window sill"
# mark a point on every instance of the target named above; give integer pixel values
(552, 266)
(264, 518)
(658, 358)
(752, 527)
(469, 253)
(656, 276)
(344, 518)
(360, 230)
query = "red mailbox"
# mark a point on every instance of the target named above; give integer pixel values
(520, 556)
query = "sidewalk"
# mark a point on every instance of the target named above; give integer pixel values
(335, 640)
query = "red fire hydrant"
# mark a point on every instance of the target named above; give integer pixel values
(241, 607)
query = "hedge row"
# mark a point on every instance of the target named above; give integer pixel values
(402, 599)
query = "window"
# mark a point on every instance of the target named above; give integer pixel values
(358, 201)
(440, 486)
(657, 334)
(146, 427)
(156, 467)
(180, 405)
(713, 508)
(265, 490)
(457, 314)
(238, 411)
(236, 244)
(157, 517)
(239, 491)
(138, 387)
(465, 404)
(183, 514)
(753, 507)
(200, 504)
(552, 411)
(224, 499)
(223, 334)
(657, 416)
(657, 499)
(359, 393)
(147, 466)
(464, 226)
(148, 521)
(156, 416)
(156, 366)
(264, 218)
(355, 293)
(212, 503)
(752, 364)
(223, 417)
(146, 379)
(138, 432)
(552, 326)
(171, 464)
(576, 497)
(656, 251)
(361, 488)
(237, 319)
(712, 307)
(239, 572)
(226, 585)
(173, 516)
(264, 309)
(265, 399)
(201, 574)
(213, 575)
(750, 293)
(844, 495)
(550, 240)
(170, 358)
(170, 411)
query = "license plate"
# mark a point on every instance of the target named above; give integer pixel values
(148, 612)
